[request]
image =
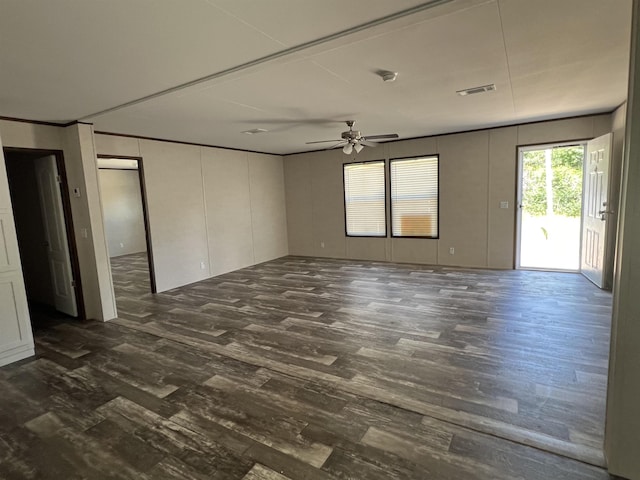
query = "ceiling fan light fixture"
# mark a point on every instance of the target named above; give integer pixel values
(353, 140)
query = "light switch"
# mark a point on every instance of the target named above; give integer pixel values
(76, 192)
(504, 204)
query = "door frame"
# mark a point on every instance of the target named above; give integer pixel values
(145, 213)
(518, 209)
(68, 219)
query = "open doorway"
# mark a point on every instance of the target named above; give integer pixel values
(42, 214)
(126, 224)
(549, 231)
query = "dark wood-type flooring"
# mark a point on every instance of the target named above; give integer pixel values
(306, 368)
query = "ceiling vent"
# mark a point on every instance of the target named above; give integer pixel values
(253, 131)
(473, 90)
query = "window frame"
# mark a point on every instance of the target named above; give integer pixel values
(391, 160)
(344, 198)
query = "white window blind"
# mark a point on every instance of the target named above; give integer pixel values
(414, 197)
(364, 199)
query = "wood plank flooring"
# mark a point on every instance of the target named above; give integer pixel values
(306, 368)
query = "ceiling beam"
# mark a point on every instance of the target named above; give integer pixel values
(276, 55)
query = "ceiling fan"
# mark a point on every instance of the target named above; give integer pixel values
(352, 139)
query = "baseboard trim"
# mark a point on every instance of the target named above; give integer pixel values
(16, 354)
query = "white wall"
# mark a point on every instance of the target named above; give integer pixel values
(192, 220)
(477, 172)
(86, 210)
(122, 208)
(220, 208)
(173, 178)
(268, 208)
(622, 433)
(76, 144)
(228, 204)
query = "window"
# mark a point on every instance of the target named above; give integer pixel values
(364, 199)
(414, 197)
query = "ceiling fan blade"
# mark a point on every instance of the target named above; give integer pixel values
(380, 137)
(323, 141)
(339, 144)
(368, 144)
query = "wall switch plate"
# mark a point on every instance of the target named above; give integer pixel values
(504, 204)
(452, 250)
(84, 233)
(321, 244)
(76, 192)
(121, 245)
(202, 266)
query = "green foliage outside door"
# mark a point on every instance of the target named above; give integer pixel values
(566, 182)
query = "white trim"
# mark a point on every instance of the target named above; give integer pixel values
(16, 354)
(544, 146)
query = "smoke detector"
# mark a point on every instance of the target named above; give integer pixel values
(387, 76)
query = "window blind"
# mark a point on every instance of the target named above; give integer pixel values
(364, 199)
(414, 197)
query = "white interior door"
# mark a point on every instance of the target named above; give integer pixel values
(595, 208)
(56, 235)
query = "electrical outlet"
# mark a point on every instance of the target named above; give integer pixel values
(321, 244)
(84, 233)
(202, 266)
(452, 250)
(121, 245)
(504, 204)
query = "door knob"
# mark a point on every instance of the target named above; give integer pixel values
(603, 214)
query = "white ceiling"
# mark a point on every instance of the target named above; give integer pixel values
(65, 60)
